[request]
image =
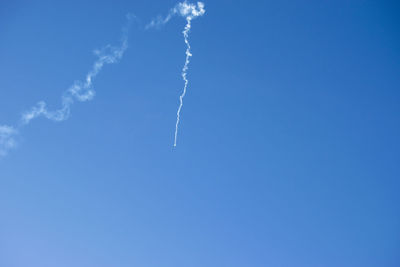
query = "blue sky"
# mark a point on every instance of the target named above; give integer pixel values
(288, 146)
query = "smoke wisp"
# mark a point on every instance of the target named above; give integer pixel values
(189, 12)
(7, 139)
(80, 90)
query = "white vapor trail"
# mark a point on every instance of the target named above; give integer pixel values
(189, 11)
(80, 91)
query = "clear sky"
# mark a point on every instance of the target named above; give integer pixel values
(288, 148)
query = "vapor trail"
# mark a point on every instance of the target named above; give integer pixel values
(189, 11)
(80, 90)
(184, 77)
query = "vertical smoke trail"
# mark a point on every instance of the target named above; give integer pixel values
(189, 11)
(184, 74)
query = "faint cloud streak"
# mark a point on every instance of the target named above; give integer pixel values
(80, 90)
(7, 140)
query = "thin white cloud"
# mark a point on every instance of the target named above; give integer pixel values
(80, 90)
(7, 139)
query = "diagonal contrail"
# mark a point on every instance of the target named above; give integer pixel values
(189, 11)
(80, 91)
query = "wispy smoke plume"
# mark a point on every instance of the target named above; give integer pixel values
(189, 11)
(80, 90)
(7, 141)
